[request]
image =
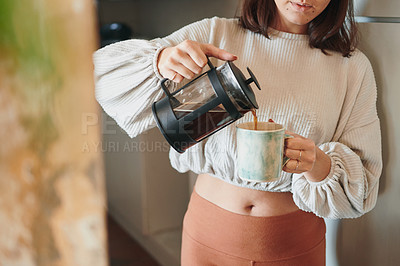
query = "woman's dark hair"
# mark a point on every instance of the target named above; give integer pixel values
(329, 31)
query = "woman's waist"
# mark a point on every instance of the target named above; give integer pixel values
(266, 238)
(242, 200)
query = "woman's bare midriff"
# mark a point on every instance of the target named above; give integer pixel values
(244, 200)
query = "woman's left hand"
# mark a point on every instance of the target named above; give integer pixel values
(305, 157)
(301, 152)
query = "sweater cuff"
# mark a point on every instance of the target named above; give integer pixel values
(155, 60)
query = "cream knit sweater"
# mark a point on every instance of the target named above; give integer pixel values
(329, 99)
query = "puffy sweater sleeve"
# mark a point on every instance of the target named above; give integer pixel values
(127, 79)
(351, 188)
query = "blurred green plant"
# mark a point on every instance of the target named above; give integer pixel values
(26, 47)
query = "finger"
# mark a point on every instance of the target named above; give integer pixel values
(293, 166)
(172, 75)
(177, 78)
(295, 144)
(182, 70)
(294, 154)
(197, 55)
(189, 62)
(216, 52)
(293, 134)
(299, 143)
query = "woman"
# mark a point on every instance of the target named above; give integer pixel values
(313, 81)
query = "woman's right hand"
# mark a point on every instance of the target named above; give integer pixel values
(188, 59)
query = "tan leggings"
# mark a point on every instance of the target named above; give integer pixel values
(215, 236)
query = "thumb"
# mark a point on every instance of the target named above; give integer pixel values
(211, 50)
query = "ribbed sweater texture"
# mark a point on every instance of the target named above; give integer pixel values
(330, 99)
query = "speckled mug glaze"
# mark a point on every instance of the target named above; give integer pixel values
(260, 152)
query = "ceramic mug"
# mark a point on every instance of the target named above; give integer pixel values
(260, 152)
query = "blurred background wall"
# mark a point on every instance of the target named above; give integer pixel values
(374, 239)
(149, 202)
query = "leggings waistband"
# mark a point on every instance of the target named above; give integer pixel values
(260, 238)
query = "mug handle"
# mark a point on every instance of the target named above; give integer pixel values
(286, 159)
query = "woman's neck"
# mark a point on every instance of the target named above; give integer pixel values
(285, 26)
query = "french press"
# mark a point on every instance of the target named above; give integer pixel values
(205, 105)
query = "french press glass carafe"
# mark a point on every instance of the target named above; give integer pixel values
(205, 105)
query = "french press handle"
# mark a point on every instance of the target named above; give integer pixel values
(209, 63)
(164, 88)
(173, 100)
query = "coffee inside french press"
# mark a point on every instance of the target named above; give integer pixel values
(212, 120)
